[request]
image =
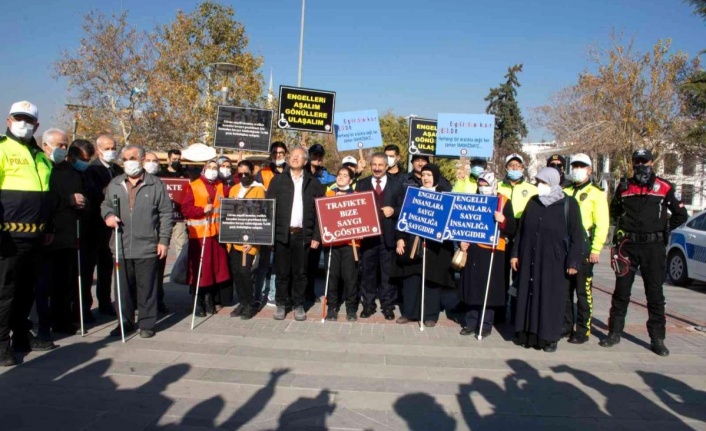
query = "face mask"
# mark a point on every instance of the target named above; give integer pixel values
(132, 168)
(246, 180)
(579, 175)
(514, 174)
(58, 155)
(211, 174)
(225, 172)
(279, 162)
(22, 129)
(80, 165)
(390, 161)
(543, 189)
(476, 171)
(643, 173)
(485, 190)
(109, 155)
(151, 167)
(175, 165)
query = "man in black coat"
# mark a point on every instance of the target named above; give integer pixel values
(377, 251)
(414, 178)
(99, 173)
(296, 231)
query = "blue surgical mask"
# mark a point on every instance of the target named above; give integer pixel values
(514, 174)
(476, 170)
(80, 165)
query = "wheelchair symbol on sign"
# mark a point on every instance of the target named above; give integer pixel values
(328, 236)
(402, 223)
(282, 123)
(413, 148)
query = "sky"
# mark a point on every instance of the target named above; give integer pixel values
(417, 57)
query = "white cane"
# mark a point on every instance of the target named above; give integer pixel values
(80, 284)
(487, 284)
(328, 271)
(198, 277)
(424, 273)
(116, 208)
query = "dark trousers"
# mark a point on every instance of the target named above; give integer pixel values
(19, 258)
(161, 267)
(435, 298)
(64, 287)
(138, 287)
(650, 259)
(374, 259)
(263, 274)
(582, 285)
(343, 268)
(474, 314)
(291, 265)
(242, 276)
(97, 255)
(43, 294)
(313, 260)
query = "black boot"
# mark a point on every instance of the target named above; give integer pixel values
(208, 304)
(658, 347)
(611, 340)
(199, 307)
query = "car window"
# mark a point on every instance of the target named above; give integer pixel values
(699, 223)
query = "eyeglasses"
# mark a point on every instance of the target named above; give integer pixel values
(556, 165)
(279, 153)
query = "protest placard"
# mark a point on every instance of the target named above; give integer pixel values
(472, 219)
(347, 217)
(306, 109)
(357, 130)
(425, 213)
(422, 137)
(247, 221)
(176, 187)
(245, 129)
(467, 135)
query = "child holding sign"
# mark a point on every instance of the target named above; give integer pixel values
(343, 260)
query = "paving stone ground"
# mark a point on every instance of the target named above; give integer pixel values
(263, 374)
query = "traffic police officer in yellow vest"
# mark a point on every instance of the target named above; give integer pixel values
(466, 183)
(596, 223)
(24, 185)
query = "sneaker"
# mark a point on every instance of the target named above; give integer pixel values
(299, 313)
(658, 347)
(147, 333)
(7, 357)
(271, 302)
(611, 340)
(280, 313)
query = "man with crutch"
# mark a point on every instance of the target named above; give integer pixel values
(142, 227)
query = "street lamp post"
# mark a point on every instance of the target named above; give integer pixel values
(75, 109)
(225, 68)
(301, 45)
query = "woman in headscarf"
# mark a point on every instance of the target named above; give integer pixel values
(474, 276)
(201, 209)
(225, 171)
(546, 253)
(439, 286)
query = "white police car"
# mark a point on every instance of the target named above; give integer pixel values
(686, 253)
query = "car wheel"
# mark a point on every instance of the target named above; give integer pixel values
(676, 268)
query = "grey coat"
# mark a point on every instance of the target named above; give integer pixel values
(148, 224)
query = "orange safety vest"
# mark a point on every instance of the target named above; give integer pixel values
(501, 241)
(206, 226)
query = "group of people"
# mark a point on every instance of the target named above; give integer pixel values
(70, 205)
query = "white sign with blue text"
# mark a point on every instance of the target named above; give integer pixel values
(472, 219)
(467, 135)
(425, 213)
(357, 130)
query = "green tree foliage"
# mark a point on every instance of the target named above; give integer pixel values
(694, 93)
(510, 127)
(699, 7)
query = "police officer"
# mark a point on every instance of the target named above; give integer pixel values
(558, 162)
(641, 205)
(24, 196)
(596, 223)
(466, 183)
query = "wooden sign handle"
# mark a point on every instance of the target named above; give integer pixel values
(355, 250)
(415, 245)
(245, 256)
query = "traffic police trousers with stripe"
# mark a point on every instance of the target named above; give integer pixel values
(581, 284)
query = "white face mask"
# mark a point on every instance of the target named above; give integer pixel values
(109, 155)
(151, 167)
(211, 174)
(225, 172)
(132, 168)
(579, 175)
(543, 189)
(485, 190)
(279, 162)
(22, 129)
(390, 161)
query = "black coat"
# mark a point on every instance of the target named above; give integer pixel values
(97, 179)
(474, 275)
(282, 191)
(393, 188)
(541, 247)
(64, 182)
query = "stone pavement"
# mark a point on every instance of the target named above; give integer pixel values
(370, 375)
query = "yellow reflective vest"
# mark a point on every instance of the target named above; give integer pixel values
(24, 187)
(519, 194)
(594, 212)
(466, 185)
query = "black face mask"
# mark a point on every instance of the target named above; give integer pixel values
(175, 165)
(642, 173)
(246, 180)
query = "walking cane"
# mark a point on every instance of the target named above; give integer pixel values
(116, 209)
(198, 277)
(80, 283)
(424, 273)
(328, 271)
(490, 273)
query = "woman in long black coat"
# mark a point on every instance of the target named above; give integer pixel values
(547, 252)
(439, 286)
(474, 275)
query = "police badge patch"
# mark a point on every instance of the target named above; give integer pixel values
(525, 193)
(583, 197)
(655, 188)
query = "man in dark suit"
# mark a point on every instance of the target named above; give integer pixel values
(296, 231)
(99, 173)
(377, 251)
